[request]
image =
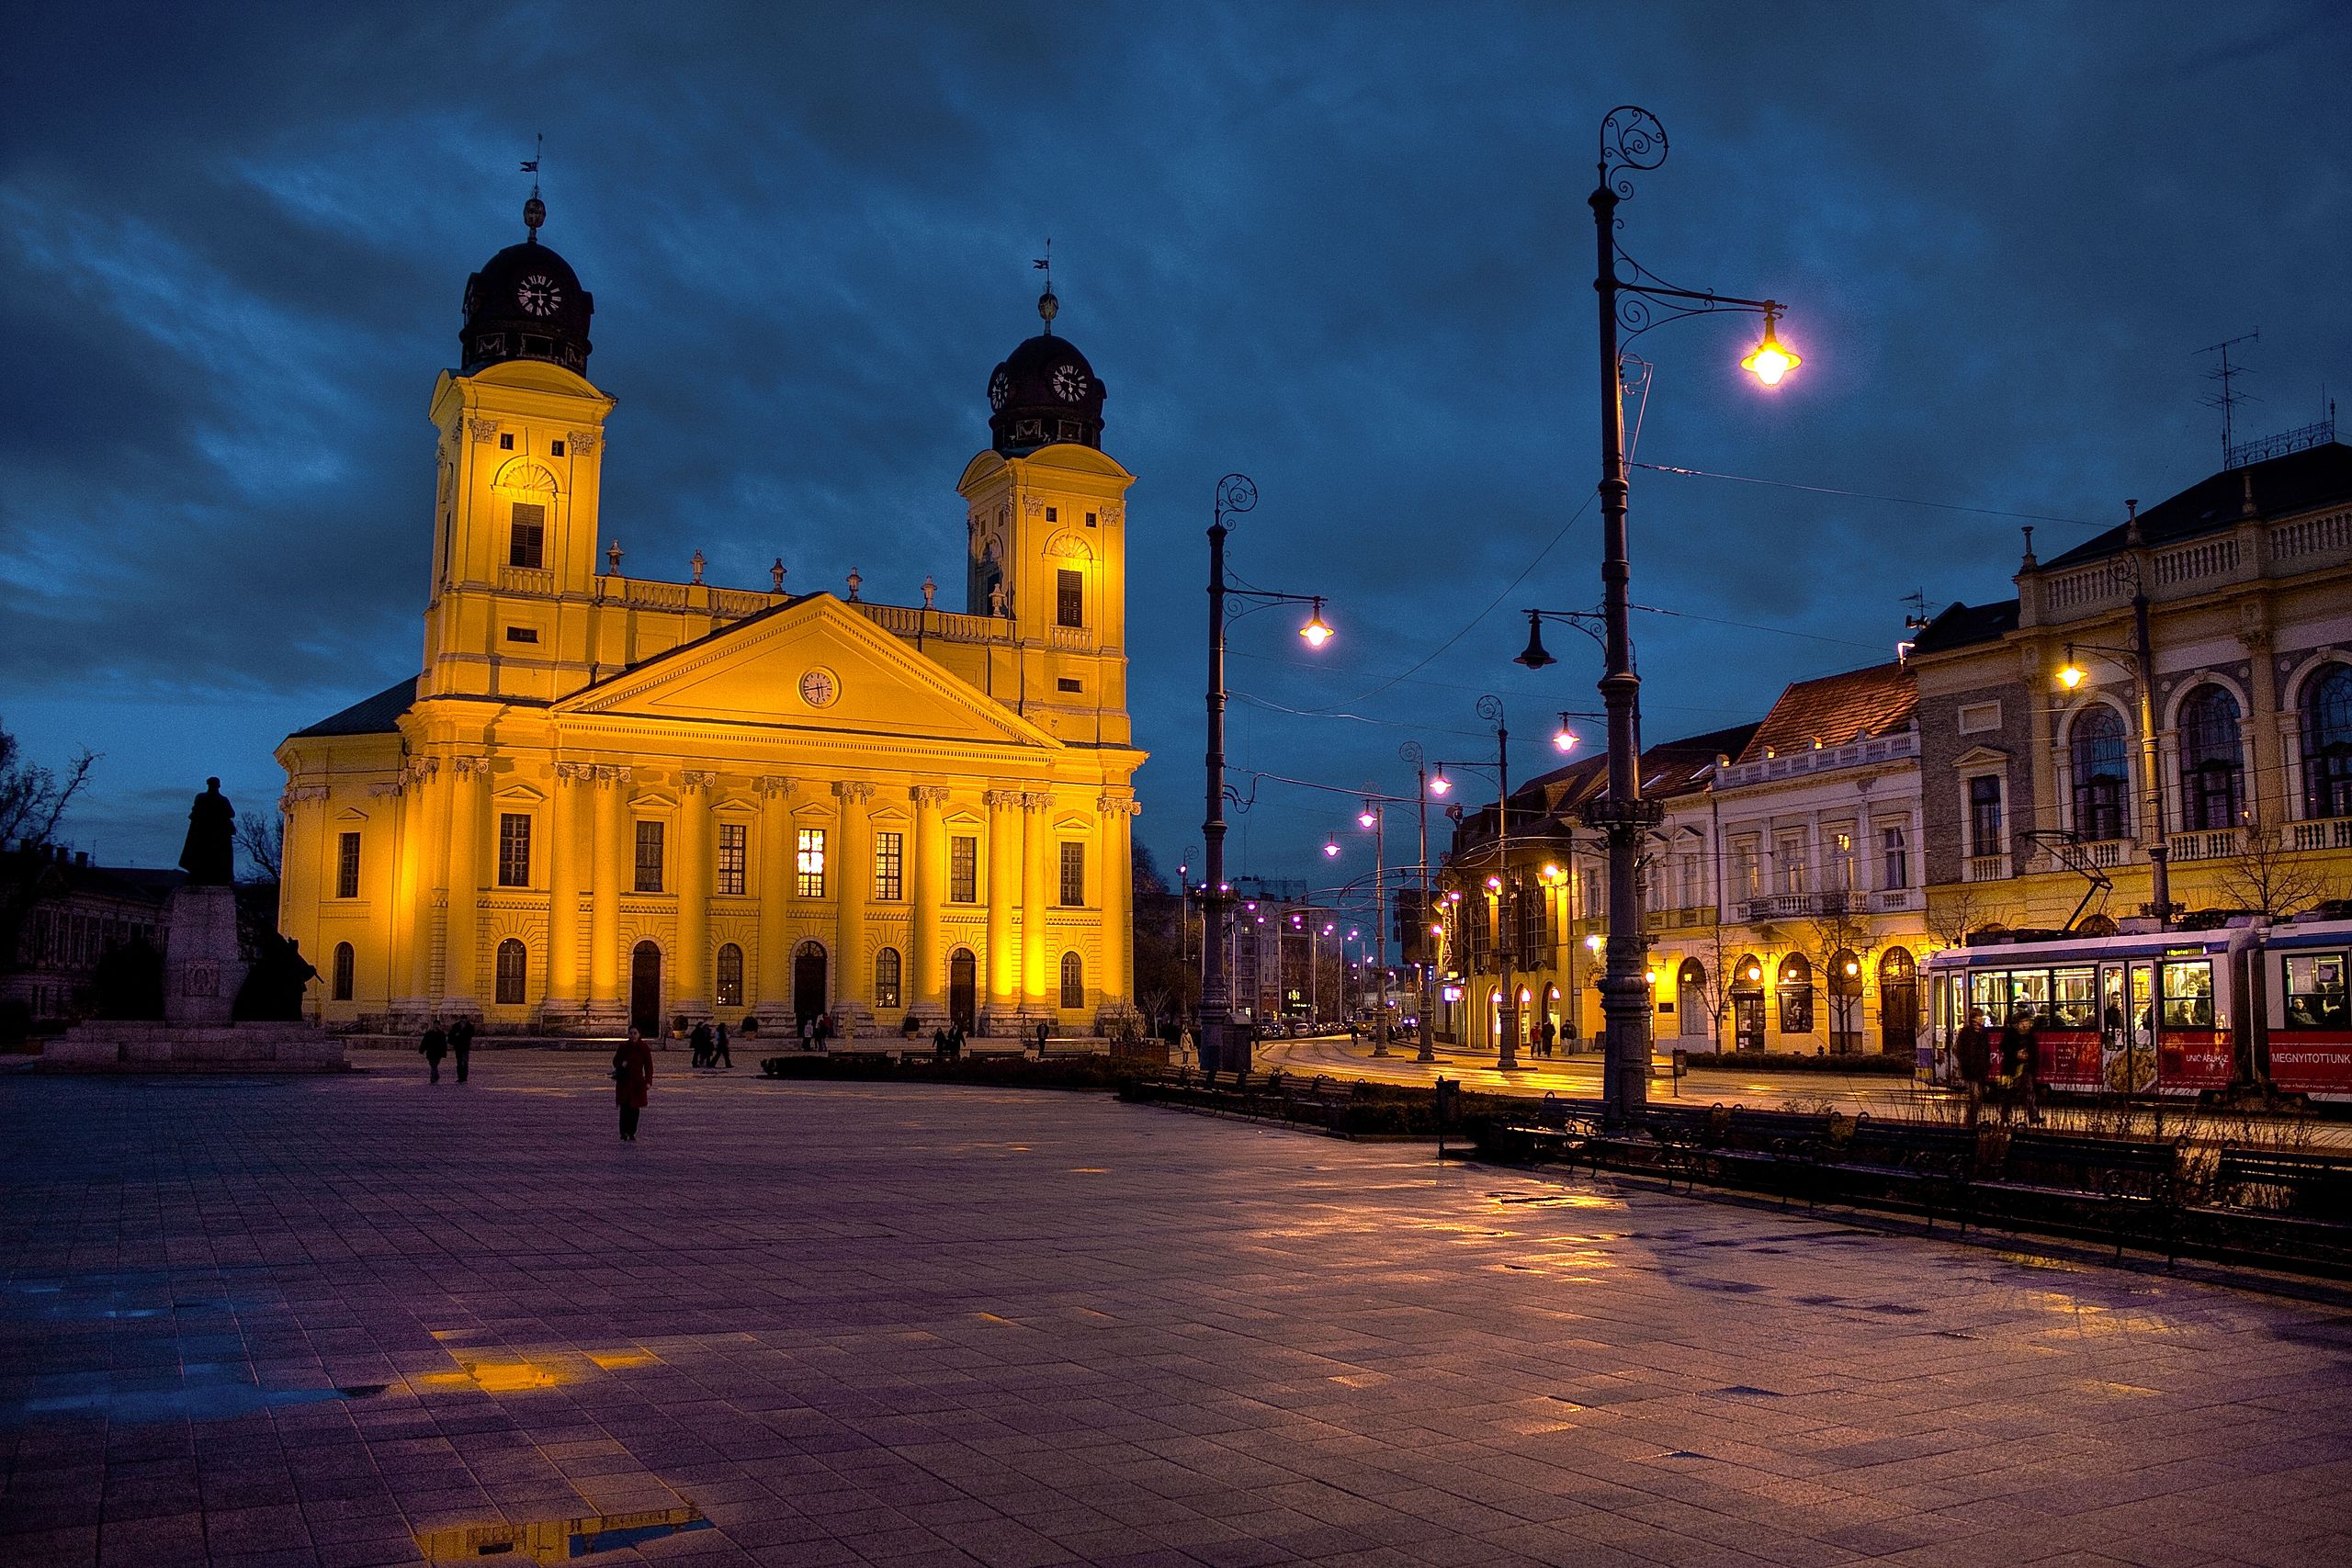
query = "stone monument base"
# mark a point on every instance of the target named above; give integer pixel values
(141, 1046)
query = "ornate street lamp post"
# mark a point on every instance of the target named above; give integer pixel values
(1222, 1045)
(1632, 141)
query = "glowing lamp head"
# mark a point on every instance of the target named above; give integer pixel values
(1852, 967)
(1330, 849)
(1755, 972)
(1437, 931)
(1768, 362)
(1552, 874)
(1494, 884)
(1367, 816)
(1315, 633)
(2070, 674)
(1564, 740)
(1592, 943)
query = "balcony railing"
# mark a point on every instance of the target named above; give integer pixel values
(1822, 759)
(1987, 868)
(1799, 905)
(2219, 843)
(2107, 853)
(1895, 900)
(912, 621)
(2327, 834)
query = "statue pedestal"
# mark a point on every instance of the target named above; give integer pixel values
(203, 961)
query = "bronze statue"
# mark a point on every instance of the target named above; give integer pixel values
(210, 855)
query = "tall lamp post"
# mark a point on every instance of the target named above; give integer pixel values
(1632, 140)
(2139, 661)
(1490, 708)
(1221, 1044)
(1410, 751)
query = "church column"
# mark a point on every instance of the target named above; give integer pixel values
(567, 976)
(773, 994)
(1003, 976)
(606, 1007)
(852, 874)
(462, 988)
(691, 963)
(927, 985)
(1115, 875)
(1036, 955)
(425, 839)
(303, 807)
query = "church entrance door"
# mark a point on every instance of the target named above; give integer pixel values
(645, 989)
(963, 990)
(808, 982)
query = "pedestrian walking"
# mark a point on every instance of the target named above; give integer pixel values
(700, 1041)
(2016, 1068)
(632, 1080)
(1184, 1051)
(435, 1045)
(718, 1056)
(461, 1044)
(1973, 1060)
(1042, 1032)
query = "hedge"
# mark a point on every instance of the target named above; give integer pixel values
(1875, 1064)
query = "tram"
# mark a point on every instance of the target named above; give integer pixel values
(2166, 1014)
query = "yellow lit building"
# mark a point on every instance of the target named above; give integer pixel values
(607, 798)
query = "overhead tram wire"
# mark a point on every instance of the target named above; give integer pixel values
(1866, 495)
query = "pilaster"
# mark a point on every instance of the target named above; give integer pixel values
(927, 983)
(772, 993)
(559, 1009)
(1001, 984)
(462, 988)
(852, 875)
(691, 966)
(607, 1007)
(1037, 960)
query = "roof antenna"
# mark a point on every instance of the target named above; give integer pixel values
(2228, 397)
(535, 211)
(1047, 305)
(1916, 602)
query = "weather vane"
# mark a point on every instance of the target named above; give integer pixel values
(535, 211)
(1047, 305)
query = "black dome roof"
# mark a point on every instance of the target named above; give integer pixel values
(526, 303)
(1045, 392)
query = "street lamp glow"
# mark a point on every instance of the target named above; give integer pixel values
(1566, 739)
(1768, 361)
(2070, 674)
(1367, 816)
(1330, 848)
(1494, 884)
(1592, 942)
(1441, 783)
(1315, 633)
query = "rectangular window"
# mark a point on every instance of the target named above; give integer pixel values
(731, 838)
(1053, 514)
(1842, 864)
(808, 873)
(1789, 857)
(888, 865)
(1064, 683)
(649, 857)
(1089, 520)
(1897, 870)
(346, 867)
(555, 448)
(1069, 598)
(506, 443)
(527, 539)
(1984, 815)
(1073, 876)
(1744, 873)
(2188, 992)
(2316, 995)
(522, 634)
(962, 871)
(513, 849)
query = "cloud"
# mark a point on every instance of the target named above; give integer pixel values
(1345, 250)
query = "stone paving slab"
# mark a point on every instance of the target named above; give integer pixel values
(250, 1321)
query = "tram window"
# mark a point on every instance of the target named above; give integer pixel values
(2315, 993)
(2188, 992)
(1989, 994)
(2029, 992)
(2072, 999)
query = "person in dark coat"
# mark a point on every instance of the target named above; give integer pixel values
(700, 1041)
(1041, 1033)
(1971, 1058)
(2016, 1066)
(633, 1081)
(718, 1056)
(461, 1044)
(435, 1045)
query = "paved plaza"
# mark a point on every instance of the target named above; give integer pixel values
(352, 1320)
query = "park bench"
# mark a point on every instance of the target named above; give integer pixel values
(2306, 1185)
(2135, 1184)
(1559, 1131)
(1936, 1165)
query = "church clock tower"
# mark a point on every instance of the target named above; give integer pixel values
(1047, 511)
(515, 503)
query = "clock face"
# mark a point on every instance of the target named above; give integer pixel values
(999, 389)
(1069, 384)
(539, 294)
(819, 689)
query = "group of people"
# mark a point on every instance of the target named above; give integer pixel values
(947, 1041)
(709, 1045)
(2001, 1069)
(440, 1044)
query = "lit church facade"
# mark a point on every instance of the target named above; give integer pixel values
(606, 799)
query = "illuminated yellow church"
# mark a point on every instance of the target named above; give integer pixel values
(608, 799)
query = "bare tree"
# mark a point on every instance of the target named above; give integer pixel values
(1837, 936)
(262, 836)
(2266, 878)
(1957, 912)
(32, 798)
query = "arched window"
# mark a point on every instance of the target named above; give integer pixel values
(1898, 1001)
(345, 963)
(1846, 1001)
(1073, 981)
(2212, 777)
(513, 959)
(2327, 743)
(1697, 1019)
(1795, 987)
(2101, 775)
(731, 976)
(886, 977)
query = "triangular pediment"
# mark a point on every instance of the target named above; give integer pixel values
(814, 665)
(1980, 757)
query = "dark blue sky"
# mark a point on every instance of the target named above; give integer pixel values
(1341, 248)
